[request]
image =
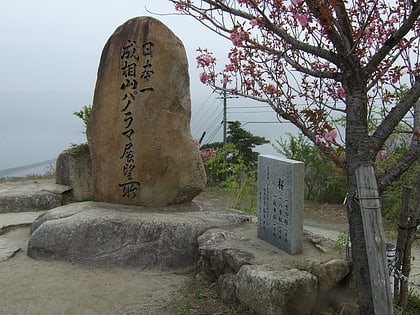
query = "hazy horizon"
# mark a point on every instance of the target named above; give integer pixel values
(49, 60)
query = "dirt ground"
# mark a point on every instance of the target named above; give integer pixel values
(29, 286)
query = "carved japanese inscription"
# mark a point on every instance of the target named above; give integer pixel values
(280, 202)
(139, 136)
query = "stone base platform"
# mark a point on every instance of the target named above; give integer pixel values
(31, 195)
(103, 234)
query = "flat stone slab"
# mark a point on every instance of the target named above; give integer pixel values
(18, 219)
(30, 195)
(104, 234)
(7, 250)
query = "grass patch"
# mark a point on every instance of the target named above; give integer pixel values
(5, 229)
(202, 298)
(413, 305)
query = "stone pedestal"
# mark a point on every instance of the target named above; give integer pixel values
(104, 234)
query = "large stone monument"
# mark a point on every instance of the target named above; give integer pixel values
(280, 202)
(146, 168)
(139, 130)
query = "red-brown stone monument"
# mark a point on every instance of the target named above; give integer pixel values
(139, 130)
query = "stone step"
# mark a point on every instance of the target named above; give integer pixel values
(30, 195)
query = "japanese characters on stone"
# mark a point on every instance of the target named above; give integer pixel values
(136, 73)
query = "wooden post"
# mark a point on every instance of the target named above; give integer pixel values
(370, 207)
(400, 287)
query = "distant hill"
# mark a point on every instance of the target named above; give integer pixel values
(40, 168)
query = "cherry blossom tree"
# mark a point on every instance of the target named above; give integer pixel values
(313, 61)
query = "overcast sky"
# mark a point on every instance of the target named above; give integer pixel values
(49, 57)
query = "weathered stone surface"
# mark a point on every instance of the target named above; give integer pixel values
(230, 249)
(227, 249)
(139, 130)
(217, 257)
(74, 169)
(19, 196)
(7, 250)
(330, 273)
(227, 288)
(268, 291)
(103, 234)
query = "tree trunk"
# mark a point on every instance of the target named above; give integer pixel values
(359, 152)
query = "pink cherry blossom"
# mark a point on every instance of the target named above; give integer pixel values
(341, 92)
(205, 60)
(226, 80)
(297, 3)
(318, 139)
(206, 78)
(208, 153)
(330, 136)
(271, 89)
(302, 19)
(253, 22)
(237, 37)
(230, 68)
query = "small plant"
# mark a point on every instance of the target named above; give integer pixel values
(227, 169)
(84, 115)
(342, 241)
(184, 309)
(413, 305)
(200, 294)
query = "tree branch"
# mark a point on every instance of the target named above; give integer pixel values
(296, 44)
(387, 126)
(394, 39)
(400, 166)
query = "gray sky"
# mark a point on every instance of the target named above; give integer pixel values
(49, 57)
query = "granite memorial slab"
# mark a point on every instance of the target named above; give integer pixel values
(280, 202)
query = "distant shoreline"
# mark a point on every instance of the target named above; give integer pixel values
(39, 168)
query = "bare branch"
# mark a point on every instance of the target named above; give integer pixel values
(400, 166)
(394, 39)
(387, 126)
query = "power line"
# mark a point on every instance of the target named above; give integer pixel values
(215, 123)
(214, 133)
(198, 123)
(251, 112)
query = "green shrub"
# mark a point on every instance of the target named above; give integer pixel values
(324, 180)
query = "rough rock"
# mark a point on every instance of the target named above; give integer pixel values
(139, 130)
(269, 291)
(34, 195)
(330, 273)
(225, 252)
(227, 288)
(103, 234)
(74, 169)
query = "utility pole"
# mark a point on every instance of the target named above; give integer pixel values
(224, 115)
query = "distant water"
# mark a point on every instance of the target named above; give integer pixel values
(40, 168)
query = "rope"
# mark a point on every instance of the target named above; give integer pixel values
(398, 274)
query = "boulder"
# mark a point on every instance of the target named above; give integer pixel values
(103, 234)
(268, 291)
(139, 129)
(74, 169)
(239, 261)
